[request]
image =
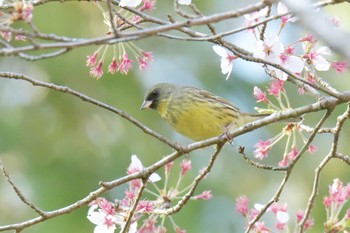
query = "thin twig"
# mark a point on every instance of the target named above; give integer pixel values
(256, 164)
(132, 210)
(275, 198)
(111, 17)
(194, 185)
(19, 193)
(344, 158)
(86, 98)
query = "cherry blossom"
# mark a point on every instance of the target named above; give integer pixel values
(184, 2)
(205, 195)
(339, 66)
(227, 58)
(276, 87)
(316, 58)
(185, 166)
(261, 149)
(259, 95)
(269, 49)
(282, 9)
(252, 18)
(137, 166)
(114, 66)
(96, 71)
(242, 205)
(130, 3)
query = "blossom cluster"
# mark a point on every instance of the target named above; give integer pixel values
(122, 52)
(279, 211)
(339, 195)
(22, 11)
(291, 131)
(280, 57)
(109, 216)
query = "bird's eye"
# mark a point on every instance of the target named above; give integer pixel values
(154, 95)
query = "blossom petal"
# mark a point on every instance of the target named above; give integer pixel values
(184, 2)
(136, 163)
(294, 64)
(104, 229)
(324, 50)
(154, 177)
(321, 64)
(221, 51)
(258, 206)
(282, 217)
(281, 8)
(97, 218)
(130, 3)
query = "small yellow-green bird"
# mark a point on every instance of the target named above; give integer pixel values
(196, 114)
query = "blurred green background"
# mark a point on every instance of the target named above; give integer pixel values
(57, 148)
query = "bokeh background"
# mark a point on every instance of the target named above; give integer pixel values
(57, 148)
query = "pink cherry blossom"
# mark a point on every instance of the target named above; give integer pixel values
(185, 166)
(113, 67)
(137, 166)
(260, 227)
(20, 37)
(269, 49)
(242, 205)
(7, 35)
(289, 50)
(282, 9)
(292, 63)
(276, 87)
(261, 149)
(309, 222)
(316, 58)
(308, 38)
(253, 18)
(347, 215)
(327, 201)
(312, 148)
(293, 154)
(168, 166)
(284, 162)
(147, 56)
(259, 95)
(145, 206)
(125, 64)
(142, 63)
(339, 66)
(147, 5)
(91, 59)
(205, 195)
(96, 71)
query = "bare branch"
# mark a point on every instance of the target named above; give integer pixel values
(19, 193)
(258, 165)
(344, 158)
(86, 98)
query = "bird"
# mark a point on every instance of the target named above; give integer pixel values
(195, 113)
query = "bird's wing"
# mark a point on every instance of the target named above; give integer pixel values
(216, 99)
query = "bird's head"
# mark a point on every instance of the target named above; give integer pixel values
(157, 95)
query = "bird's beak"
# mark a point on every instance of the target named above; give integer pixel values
(146, 104)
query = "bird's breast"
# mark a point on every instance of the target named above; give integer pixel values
(199, 120)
